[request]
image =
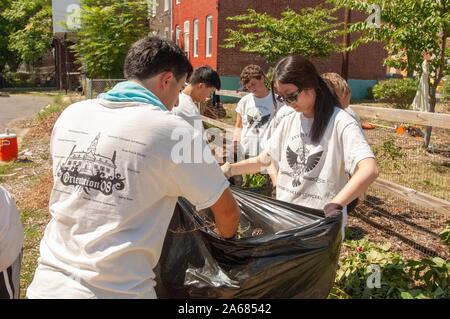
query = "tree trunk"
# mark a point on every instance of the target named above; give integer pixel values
(432, 110)
(437, 80)
(410, 65)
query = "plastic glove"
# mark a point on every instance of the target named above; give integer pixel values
(332, 209)
(226, 169)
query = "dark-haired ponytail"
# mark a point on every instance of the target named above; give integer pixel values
(323, 110)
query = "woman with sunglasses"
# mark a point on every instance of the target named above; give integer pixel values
(314, 148)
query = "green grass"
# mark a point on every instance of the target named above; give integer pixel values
(34, 222)
(56, 106)
(8, 168)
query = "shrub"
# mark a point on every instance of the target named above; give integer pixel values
(398, 92)
(446, 90)
(364, 261)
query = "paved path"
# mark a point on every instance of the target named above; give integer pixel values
(20, 106)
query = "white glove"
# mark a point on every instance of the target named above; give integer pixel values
(226, 169)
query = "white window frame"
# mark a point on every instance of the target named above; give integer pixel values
(167, 5)
(167, 33)
(186, 35)
(177, 35)
(177, 1)
(209, 35)
(196, 29)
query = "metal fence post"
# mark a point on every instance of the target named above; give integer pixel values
(88, 88)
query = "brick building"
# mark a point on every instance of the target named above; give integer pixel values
(198, 26)
(160, 18)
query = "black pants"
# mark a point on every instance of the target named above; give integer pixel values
(10, 280)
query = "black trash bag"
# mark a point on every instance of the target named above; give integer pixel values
(284, 251)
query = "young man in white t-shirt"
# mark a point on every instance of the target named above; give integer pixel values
(254, 111)
(119, 164)
(202, 83)
(343, 92)
(11, 241)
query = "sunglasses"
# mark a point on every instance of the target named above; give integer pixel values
(290, 98)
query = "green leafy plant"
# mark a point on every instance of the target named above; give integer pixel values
(398, 92)
(408, 28)
(446, 90)
(445, 235)
(389, 154)
(311, 32)
(31, 34)
(108, 28)
(254, 181)
(398, 278)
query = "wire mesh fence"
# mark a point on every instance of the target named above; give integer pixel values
(96, 86)
(402, 159)
(413, 230)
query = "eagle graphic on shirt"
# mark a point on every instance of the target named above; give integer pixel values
(255, 120)
(301, 162)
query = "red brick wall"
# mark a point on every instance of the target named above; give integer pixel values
(365, 62)
(199, 9)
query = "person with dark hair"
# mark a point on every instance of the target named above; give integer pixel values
(202, 83)
(117, 178)
(316, 147)
(254, 111)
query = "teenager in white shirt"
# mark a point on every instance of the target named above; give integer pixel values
(117, 176)
(254, 111)
(343, 92)
(202, 83)
(316, 148)
(11, 241)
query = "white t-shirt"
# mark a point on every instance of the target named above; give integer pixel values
(281, 113)
(310, 174)
(115, 189)
(187, 109)
(11, 231)
(256, 114)
(350, 111)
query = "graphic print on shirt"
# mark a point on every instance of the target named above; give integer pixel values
(87, 170)
(255, 120)
(301, 162)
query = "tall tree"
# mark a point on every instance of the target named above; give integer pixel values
(6, 28)
(108, 28)
(408, 29)
(310, 32)
(31, 36)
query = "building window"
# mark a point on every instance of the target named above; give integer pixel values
(177, 35)
(186, 37)
(208, 35)
(166, 5)
(166, 33)
(177, 1)
(196, 37)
